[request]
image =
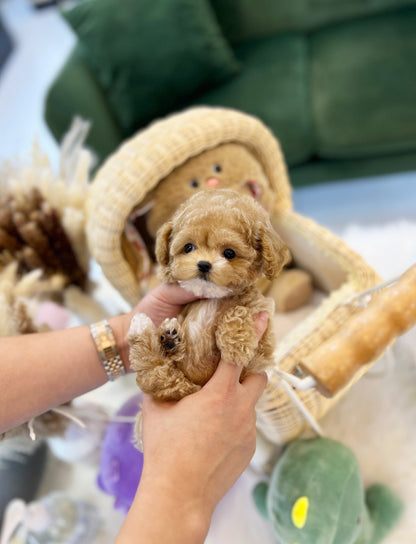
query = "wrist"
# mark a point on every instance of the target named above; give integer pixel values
(120, 325)
(186, 514)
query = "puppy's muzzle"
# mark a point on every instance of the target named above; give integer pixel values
(204, 267)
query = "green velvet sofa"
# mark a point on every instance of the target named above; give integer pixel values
(334, 80)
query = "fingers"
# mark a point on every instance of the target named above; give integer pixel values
(260, 324)
(227, 372)
(165, 300)
(255, 384)
(227, 379)
(172, 293)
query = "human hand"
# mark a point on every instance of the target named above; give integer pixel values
(196, 448)
(164, 301)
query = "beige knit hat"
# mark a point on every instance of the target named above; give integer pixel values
(143, 161)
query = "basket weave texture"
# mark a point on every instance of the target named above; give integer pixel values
(127, 176)
(144, 160)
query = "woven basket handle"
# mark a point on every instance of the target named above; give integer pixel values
(364, 336)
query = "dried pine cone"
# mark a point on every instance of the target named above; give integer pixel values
(31, 232)
(23, 322)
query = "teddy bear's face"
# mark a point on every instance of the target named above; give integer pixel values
(228, 166)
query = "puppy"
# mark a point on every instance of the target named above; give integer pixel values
(216, 246)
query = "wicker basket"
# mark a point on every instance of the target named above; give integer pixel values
(143, 161)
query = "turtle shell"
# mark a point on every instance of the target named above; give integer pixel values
(315, 484)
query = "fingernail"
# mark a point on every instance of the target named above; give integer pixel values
(261, 323)
(263, 316)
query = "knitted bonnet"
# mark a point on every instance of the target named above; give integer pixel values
(144, 160)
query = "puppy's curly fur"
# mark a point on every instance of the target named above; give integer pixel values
(216, 245)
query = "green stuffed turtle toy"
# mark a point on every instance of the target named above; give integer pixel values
(316, 496)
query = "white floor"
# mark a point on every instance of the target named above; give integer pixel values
(42, 41)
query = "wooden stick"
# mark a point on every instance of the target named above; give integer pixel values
(364, 336)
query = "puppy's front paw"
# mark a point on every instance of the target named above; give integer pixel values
(170, 337)
(235, 336)
(144, 350)
(139, 324)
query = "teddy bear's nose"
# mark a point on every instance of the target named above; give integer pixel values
(204, 266)
(212, 182)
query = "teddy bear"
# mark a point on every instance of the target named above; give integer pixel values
(228, 165)
(215, 246)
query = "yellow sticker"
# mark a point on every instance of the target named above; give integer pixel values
(300, 512)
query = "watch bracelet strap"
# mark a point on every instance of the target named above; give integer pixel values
(107, 349)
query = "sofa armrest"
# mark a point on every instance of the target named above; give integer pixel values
(75, 91)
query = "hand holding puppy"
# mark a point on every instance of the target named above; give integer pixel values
(216, 246)
(194, 450)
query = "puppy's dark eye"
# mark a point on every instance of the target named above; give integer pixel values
(194, 183)
(229, 254)
(188, 248)
(217, 168)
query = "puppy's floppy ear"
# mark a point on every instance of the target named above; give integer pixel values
(273, 251)
(162, 243)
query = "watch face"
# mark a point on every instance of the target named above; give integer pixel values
(107, 346)
(107, 349)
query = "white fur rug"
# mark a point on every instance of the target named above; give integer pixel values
(377, 420)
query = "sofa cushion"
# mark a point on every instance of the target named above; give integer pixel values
(148, 55)
(243, 20)
(324, 170)
(273, 85)
(363, 81)
(75, 91)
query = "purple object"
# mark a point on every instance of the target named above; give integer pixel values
(121, 464)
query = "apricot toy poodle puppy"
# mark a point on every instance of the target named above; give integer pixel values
(216, 245)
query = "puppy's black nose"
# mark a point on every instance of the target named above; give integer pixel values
(204, 266)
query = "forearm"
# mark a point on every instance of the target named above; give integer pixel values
(55, 368)
(161, 514)
(43, 370)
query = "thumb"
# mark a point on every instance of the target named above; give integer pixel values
(227, 371)
(260, 324)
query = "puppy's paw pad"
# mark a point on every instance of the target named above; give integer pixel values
(139, 324)
(170, 334)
